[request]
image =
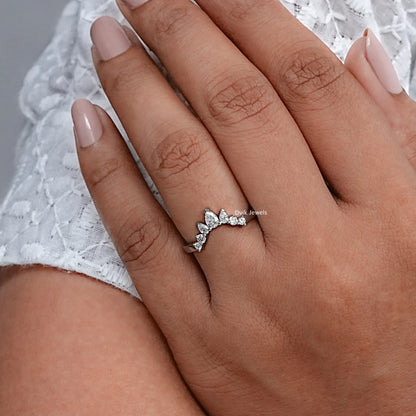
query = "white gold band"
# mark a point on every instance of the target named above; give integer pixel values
(213, 221)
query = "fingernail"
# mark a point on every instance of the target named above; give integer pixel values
(87, 124)
(109, 37)
(132, 36)
(134, 4)
(381, 63)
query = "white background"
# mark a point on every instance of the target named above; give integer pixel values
(26, 27)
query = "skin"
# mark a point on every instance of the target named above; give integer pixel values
(312, 312)
(324, 284)
(73, 345)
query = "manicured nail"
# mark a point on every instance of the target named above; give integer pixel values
(132, 36)
(109, 37)
(381, 63)
(87, 124)
(134, 4)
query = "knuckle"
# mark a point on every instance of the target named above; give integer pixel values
(128, 76)
(236, 99)
(103, 173)
(143, 241)
(309, 73)
(170, 18)
(179, 152)
(243, 9)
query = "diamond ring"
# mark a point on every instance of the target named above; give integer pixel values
(213, 221)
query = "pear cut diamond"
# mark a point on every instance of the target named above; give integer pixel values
(223, 217)
(198, 246)
(201, 238)
(211, 219)
(203, 229)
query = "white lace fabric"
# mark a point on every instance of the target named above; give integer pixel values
(48, 216)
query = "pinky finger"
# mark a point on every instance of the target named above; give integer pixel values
(143, 234)
(371, 66)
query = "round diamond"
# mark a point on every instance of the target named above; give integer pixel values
(242, 221)
(233, 220)
(203, 229)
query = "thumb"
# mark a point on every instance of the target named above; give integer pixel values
(368, 61)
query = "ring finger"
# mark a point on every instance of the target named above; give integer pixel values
(176, 149)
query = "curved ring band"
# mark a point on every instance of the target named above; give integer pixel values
(213, 221)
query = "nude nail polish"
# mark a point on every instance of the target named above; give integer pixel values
(381, 63)
(109, 38)
(134, 4)
(87, 124)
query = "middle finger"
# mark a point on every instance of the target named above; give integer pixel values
(255, 132)
(176, 149)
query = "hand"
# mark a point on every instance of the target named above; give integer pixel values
(310, 309)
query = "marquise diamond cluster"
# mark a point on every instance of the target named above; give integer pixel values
(213, 221)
